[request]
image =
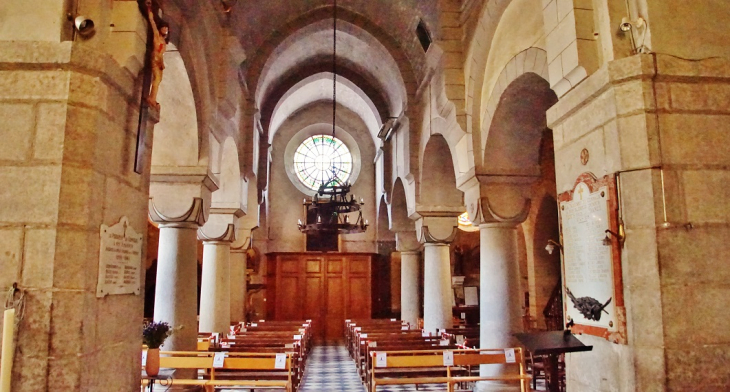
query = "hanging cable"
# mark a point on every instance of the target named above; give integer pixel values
(334, 67)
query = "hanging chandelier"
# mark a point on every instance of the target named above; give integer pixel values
(329, 210)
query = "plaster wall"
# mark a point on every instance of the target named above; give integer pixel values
(69, 139)
(286, 207)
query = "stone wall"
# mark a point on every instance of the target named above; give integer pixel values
(69, 135)
(661, 123)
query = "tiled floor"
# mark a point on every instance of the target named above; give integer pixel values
(330, 369)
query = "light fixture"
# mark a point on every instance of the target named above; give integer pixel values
(328, 212)
(551, 245)
(620, 237)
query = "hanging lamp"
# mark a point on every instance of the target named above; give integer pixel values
(330, 209)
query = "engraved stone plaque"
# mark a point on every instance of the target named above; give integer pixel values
(120, 259)
(588, 263)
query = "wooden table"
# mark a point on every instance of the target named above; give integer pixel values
(552, 344)
(164, 375)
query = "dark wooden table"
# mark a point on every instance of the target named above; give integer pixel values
(551, 344)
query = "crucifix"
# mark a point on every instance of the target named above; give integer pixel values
(152, 74)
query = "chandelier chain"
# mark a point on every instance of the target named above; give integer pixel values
(334, 68)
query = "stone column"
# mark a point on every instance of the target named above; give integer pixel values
(177, 274)
(408, 246)
(238, 284)
(215, 289)
(499, 300)
(436, 233)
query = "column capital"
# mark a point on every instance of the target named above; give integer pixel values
(193, 218)
(228, 236)
(436, 229)
(498, 198)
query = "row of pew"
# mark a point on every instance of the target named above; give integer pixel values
(388, 352)
(264, 354)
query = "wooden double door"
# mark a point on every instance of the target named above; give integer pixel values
(324, 287)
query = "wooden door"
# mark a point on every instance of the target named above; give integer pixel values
(327, 288)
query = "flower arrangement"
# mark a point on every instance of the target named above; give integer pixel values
(155, 333)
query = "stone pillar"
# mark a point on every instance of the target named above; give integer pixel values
(409, 301)
(238, 284)
(177, 274)
(408, 246)
(499, 299)
(215, 289)
(436, 233)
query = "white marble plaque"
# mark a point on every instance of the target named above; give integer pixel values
(588, 262)
(120, 259)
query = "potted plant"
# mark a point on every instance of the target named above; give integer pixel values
(153, 336)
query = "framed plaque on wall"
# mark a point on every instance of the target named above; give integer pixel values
(592, 280)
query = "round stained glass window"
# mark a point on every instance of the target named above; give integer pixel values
(322, 158)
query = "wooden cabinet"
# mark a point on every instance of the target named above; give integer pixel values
(325, 287)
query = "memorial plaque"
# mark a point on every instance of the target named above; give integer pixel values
(592, 285)
(120, 259)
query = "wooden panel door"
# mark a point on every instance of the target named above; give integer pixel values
(313, 297)
(335, 307)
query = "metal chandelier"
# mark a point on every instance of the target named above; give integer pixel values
(329, 210)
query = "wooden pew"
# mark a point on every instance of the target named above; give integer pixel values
(399, 362)
(251, 370)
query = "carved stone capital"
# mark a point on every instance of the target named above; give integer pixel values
(193, 218)
(228, 236)
(436, 229)
(495, 198)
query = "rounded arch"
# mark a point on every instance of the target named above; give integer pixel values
(383, 224)
(230, 192)
(512, 144)
(399, 220)
(344, 16)
(176, 140)
(438, 179)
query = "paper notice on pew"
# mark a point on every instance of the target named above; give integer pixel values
(425, 334)
(280, 362)
(144, 358)
(357, 329)
(404, 328)
(218, 359)
(363, 336)
(372, 344)
(297, 337)
(509, 355)
(448, 358)
(289, 345)
(302, 330)
(381, 360)
(460, 339)
(348, 320)
(444, 342)
(254, 325)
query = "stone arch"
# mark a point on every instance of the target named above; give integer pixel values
(529, 61)
(230, 193)
(438, 179)
(512, 144)
(383, 224)
(271, 44)
(399, 216)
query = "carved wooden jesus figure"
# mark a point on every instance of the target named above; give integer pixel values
(159, 42)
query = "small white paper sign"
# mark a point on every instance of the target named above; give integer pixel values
(242, 330)
(254, 325)
(358, 329)
(363, 336)
(462, 326)
(372, 344)
(144, 357)
(289, 345)
(393, 319)
(381, 360)
(218, 359)
(509, 355)
(460, 339)
(309, 321)
(280, 362)
(448, 358)
(297, 337)
(225, 345)
(348, 321)
(301, 330)
(463, 316)
(262, 321)
(444, 342)
(231, 336)
(404, 328)
(425, 334)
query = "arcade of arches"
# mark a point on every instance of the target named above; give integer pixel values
(501, 110)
